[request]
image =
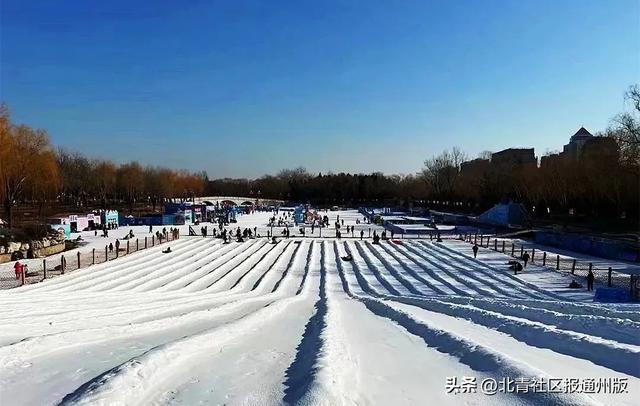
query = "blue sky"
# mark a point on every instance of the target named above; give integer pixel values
(243, 88)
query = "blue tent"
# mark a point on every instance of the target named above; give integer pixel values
(505, 215)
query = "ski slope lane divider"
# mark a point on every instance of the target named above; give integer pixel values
(624, 331)
(406, 277)
(301, 373)
(360, 266)
(623, 358)
(134, 381)
(476, 357)
(408, 286)
(495, 271)
(473, 275)
(430, 272)
(290, 264)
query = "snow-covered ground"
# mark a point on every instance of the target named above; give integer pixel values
(294, 323)
(259, 221)
(601, 263)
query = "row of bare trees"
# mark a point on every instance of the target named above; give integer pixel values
(32, 171)
(604, 183)
(298, 185)
(87, 181)
(28, 164)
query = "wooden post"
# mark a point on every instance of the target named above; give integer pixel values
(369, 232)
(521, 251)
(544, 258)
(22, 277)
(106, 253)
(573, 267)
(558, 262)
(503, 244)
(44, 268)
(153, 240)
(137, 245)
(93, 256)
(481, 240)
(145, 243)
(78, 259)
(513, 247)
(62, 264)
(117, 252)
(495, 244)
(127, 247)
(590, 266)
(609, 278)
(475, 238)
(533, 254)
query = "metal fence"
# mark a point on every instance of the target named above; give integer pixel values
(551, 260)
(37, 271)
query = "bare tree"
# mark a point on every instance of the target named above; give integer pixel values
(441, 172)
(26, 160)
(625, 129)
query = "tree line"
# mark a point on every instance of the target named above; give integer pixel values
(605, 185)
(33, 171)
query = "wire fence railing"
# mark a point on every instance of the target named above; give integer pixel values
(560, 263)
(34, 271)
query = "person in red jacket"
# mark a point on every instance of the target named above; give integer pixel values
(18, 269)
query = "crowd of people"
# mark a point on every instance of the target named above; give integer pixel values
(286, 221)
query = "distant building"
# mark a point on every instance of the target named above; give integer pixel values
(551, 159)
(577, 141)
(583, 145)
(514, 157)
(475, 166)
(600, 148)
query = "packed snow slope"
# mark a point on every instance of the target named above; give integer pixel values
(295, 323)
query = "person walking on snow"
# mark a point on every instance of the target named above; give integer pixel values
(18, 268)
(475, 250)
(525, 258)
(590, 278)
(117, 245)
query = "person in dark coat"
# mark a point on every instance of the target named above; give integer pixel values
(517, 267)
(525, 258)
(590, 278)
(475, 250)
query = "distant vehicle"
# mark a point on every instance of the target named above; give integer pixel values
(335, 208)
